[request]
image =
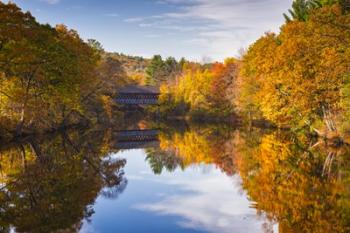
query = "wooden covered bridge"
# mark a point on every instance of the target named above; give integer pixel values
(136, 139)
(138, 95)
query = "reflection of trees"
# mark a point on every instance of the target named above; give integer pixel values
(287, 180)
(161, 159)
(301, 184)
(50, 185)
(112, 176)
(192, 147)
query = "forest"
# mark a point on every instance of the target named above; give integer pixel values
(298, 79)
(277, 117)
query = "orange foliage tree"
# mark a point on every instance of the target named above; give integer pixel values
(294, 78)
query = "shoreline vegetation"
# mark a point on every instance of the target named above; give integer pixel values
(298, 79)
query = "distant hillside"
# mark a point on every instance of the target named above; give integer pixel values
(133, 66)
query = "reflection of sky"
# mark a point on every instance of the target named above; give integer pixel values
(200, 199)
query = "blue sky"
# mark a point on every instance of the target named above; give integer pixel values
(195, 29)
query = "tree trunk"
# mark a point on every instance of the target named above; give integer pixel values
(20, 125)
(329, 119)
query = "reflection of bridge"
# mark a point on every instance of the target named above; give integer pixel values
(136, 139)
(138, 95)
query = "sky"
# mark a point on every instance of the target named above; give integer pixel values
(195, 29)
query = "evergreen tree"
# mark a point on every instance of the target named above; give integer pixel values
(154, 71)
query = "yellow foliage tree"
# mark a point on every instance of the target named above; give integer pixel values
(294, 78)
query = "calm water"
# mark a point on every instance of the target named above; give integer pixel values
(203, 179)
(200, 198)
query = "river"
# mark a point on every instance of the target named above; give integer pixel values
(175, 179)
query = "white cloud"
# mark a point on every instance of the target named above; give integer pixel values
(132, 20)
(225, 25)
(212, 203)
(51, 1)
(112, 15)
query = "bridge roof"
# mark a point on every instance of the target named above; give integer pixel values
(139, 90)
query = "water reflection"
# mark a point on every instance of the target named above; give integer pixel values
(209, 203)
(51, 184)
(197, 179)
(285, 176)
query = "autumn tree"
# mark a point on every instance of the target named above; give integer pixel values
(294, 78)
(46, 73)
(202, 91)
(224, 84)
